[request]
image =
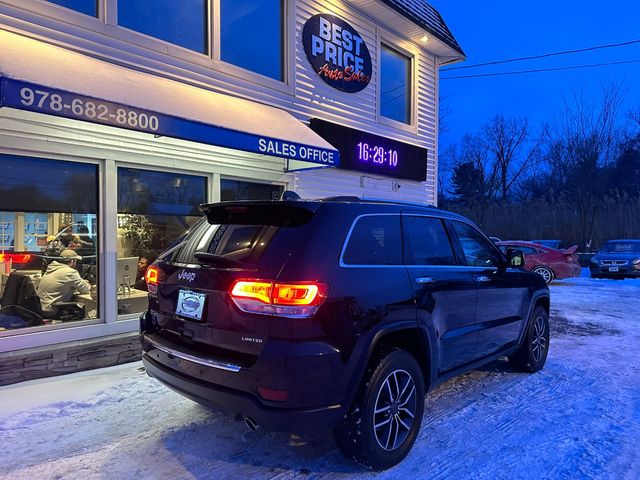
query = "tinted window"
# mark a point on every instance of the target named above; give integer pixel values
(251, 35)
(426, 242)
(47, 207)
(154, 210)
(375, 240)
(479, 251)
(160, 193)
(183, 23)
(526, 250)
(244, 243)
(90, 7)
(395, 85)
(242, 190)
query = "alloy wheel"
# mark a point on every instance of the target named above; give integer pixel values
(394, 410)
(545, 273)
(538, 339)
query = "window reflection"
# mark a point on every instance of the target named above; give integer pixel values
(154, 209)
(251, 35)
(395, 85)
(48, 241)
(88, 7)
(182, 23)
(243, 190)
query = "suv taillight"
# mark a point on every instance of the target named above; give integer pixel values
(267, 297)
(151, 277)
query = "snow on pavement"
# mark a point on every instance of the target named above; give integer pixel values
(577, 418)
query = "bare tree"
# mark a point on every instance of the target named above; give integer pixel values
(588, 139)
(513, 149)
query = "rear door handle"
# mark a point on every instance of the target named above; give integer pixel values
(425, 280)
(483, 278)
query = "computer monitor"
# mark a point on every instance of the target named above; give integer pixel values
(126, 273)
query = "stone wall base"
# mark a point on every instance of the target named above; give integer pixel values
(41, 362)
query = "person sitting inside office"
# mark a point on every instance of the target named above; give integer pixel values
(61, 281)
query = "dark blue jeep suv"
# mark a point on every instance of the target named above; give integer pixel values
(336, 314)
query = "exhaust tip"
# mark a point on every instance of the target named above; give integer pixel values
(251, 423)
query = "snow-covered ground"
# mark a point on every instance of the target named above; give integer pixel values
(578, 418)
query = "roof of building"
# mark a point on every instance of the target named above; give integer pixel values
(427, 17)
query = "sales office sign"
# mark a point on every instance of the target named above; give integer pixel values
(337, 53)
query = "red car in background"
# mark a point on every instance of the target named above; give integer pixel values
(547, 262)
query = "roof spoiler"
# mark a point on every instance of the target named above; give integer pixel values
(285, 213)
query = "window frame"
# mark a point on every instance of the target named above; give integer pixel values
(103, 310)
(402, 47)
(106, 25)
(288, 53)
(209, 187)
(155, 43)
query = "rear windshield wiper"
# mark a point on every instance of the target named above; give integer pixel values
(214, 259)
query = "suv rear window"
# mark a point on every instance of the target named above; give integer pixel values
(238, 232)
(243, 243)
(375, 240)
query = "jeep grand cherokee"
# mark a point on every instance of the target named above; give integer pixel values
(336, 314)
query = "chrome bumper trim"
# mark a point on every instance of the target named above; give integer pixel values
(207, 362)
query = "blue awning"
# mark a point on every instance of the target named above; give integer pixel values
(43, 78)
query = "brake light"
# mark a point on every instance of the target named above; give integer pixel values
(292, 299)
(16, 258)
(260, 291)
(151, 277)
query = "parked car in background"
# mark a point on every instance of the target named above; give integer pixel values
(547, 262)
(495, 239)
(555, 244)
(617, 259)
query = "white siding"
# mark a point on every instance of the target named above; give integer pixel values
(306, 98)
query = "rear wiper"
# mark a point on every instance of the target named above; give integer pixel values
(214, 259)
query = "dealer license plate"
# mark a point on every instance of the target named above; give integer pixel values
(613, 269)
(191, 304)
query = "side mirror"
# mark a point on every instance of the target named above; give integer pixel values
(515, 258)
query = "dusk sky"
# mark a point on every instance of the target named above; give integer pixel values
(503, 29)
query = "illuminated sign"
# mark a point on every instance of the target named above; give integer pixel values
(52, 101)
(371, 153)
(337, 53)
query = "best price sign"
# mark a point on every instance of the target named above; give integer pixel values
(337, 53)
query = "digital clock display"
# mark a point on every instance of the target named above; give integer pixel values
(371, 153)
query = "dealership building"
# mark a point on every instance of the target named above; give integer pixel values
(119, 118)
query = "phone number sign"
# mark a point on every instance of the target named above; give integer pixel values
(36, 98)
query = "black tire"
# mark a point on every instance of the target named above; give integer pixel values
(383, 447)
(545, 272)
(533, 352)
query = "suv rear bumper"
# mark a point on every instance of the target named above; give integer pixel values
(235, 401)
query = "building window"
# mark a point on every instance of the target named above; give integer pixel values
(88, 7)
(395, 85)
(154, 209)
(49, 241)
(242, 190)
(251, 35)
(182, 23)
